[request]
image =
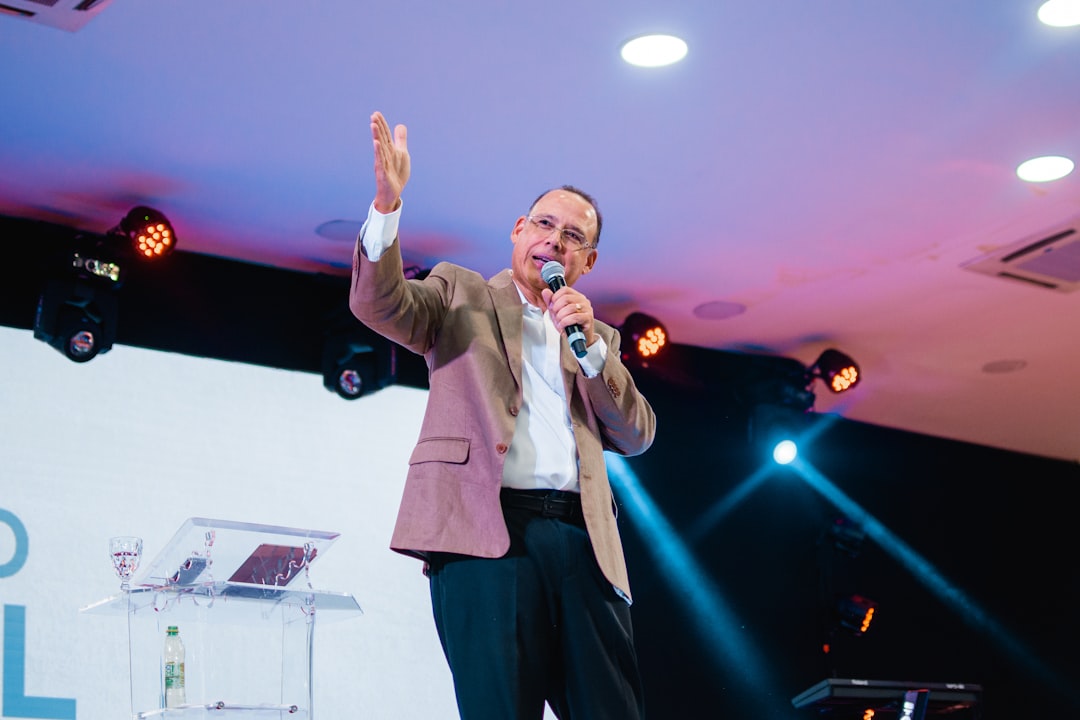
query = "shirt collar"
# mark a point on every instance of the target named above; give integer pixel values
(521, 295)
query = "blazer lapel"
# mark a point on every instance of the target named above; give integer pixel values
(507, 304)
(570, 368)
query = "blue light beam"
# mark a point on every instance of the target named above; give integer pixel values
(923, 571)
(725, 637)
(720, 509)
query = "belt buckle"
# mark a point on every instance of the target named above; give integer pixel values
(555, 506)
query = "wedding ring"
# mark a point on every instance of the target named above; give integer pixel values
(579, 307)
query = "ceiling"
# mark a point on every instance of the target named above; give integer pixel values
(812, 175)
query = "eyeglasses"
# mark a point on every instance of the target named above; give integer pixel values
(546, 227)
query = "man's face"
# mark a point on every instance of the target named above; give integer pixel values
(536, 242)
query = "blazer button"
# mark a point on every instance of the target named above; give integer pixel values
(514, 410)
(501, 448)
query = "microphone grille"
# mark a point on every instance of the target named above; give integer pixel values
(551, 270)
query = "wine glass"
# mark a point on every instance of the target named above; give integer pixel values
(125, 551)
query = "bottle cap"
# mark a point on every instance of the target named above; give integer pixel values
(173, 630)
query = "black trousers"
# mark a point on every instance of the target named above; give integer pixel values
(539, 624)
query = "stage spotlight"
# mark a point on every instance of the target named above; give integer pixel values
(785, 452)
(148, 231)
(837, 370)
(776, 381)
(77, 319)
(350, 372)
(846, 536)
(356, 361)
(79, 333)
(854, 614)
(776, 431)
(644, 336)
(78, 307)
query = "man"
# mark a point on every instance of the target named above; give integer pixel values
(507, 498)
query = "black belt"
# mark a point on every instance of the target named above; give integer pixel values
(545, 503)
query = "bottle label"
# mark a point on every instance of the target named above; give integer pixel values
(174, 675)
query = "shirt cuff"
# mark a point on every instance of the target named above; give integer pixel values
(595, 356)
(378, 231)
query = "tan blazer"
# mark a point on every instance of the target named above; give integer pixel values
(469, 331)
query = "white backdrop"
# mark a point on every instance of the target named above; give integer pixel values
(135, 442)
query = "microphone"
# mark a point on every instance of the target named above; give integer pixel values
(553, 275)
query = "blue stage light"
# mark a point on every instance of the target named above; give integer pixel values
(785, 452)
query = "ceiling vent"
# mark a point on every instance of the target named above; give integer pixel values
(68, 15)
(1048, 259)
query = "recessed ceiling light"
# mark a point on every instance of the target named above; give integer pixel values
(1004, 366)
(719, 310)
(1045, 169)
(1060, 13)
(654, 50)
(340, 230)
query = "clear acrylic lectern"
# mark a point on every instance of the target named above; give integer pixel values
(242, 598)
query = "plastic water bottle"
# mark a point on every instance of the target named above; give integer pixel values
(174, 668)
